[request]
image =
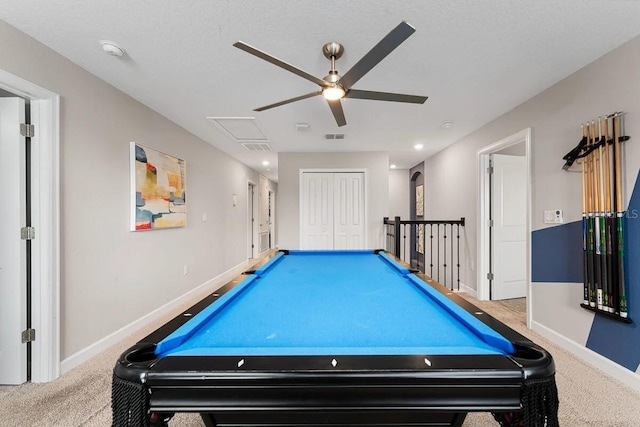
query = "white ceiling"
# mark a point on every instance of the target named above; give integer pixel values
(475, 60)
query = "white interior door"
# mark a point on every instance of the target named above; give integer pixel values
(251, 220)
(272, 220)
(509, 214)
(263, 214)
(316, 211)
(332, 210)
(13, 353)
(349, 210)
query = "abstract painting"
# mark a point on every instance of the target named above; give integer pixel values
(158, 189)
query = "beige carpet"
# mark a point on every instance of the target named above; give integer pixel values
(81, 397)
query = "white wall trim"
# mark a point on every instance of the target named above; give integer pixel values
(483, 212)
(464, 288)
(45, 199)
(609, 367)
(175, 305)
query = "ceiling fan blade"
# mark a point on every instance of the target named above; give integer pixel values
(280, 63)
(384, 96)
(338, 113)
(377, 54)
(289, 101)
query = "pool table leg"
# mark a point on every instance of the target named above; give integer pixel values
(208, 419)
(458, 419)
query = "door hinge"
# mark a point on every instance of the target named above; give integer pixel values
(489, 276)
(490, 170)
(27, 233)
(28, 335)
(27, 130)
(490, 223)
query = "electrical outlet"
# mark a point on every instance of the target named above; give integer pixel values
(185, 269)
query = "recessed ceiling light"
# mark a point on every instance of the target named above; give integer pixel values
(265, 163)
(393, 166)
(418, 146)
(447, 124)
(111, 48)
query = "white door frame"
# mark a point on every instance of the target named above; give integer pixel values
(335, 170)
(483, 214)
(272, 219)
(252, 229)
(45, 217)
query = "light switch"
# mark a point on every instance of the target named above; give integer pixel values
(549, 217)
(553, 217)
(558, 219)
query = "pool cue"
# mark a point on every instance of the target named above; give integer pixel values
(609, 221)
(597, 260)
(585, 255)
(619, 215)
(590, 222)
(603, 221)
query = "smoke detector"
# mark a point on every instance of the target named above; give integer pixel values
(111, 48)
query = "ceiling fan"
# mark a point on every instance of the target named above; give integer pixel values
(334, 87)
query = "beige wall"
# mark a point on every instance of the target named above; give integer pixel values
(111, 276)
(611, 83)
(399, 183)
(377, 195)
(607, 85)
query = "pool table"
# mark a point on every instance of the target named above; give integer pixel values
(334, 338)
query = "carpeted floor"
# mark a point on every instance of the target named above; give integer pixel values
(81, 397)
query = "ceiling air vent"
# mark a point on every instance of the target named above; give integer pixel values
(256, 146)
(334, 136)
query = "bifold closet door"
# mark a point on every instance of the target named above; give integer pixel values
(332, 210)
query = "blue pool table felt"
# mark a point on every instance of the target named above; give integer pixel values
(333, 303)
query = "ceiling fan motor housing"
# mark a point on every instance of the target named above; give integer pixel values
(332, 50)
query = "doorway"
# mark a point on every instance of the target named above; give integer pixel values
(504, 212)
(416, 213)
(251, 220)
(272, 220)
(332, 210)
(44, 200)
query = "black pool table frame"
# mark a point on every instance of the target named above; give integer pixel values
(333, 390)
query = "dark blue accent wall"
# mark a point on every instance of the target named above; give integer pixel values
(556, 254)
(618, 341)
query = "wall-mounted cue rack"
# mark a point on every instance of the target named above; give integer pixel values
(600, 156)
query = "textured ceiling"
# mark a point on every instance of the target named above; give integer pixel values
(475, 60)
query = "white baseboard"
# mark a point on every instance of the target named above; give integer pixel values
(611, 368)
(470, 291)
(197, 293)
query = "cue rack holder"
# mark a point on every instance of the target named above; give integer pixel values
(599, 159)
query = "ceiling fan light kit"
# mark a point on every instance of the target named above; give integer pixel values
(333, 93)
(334, 87)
